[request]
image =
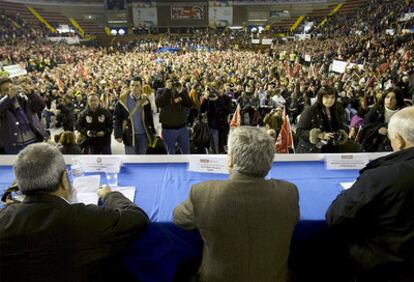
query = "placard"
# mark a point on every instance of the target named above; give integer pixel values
(15, 70)
(346, 161)
(93, 164)
(209, 164)
(340, 66)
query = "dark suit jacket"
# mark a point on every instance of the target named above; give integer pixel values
(375, 217)
(246, 224)
(47, 239)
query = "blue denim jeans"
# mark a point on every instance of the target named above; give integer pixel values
(140, 147)
(176, 136)
(215, 134)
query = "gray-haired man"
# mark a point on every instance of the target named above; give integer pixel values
(375, 217)
(45, 238)
(246, 222)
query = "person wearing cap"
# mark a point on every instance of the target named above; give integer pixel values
(46, 238)
(19, 123)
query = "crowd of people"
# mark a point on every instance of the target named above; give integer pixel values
(186, 100)
(189, 93)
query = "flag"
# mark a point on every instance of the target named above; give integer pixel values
(60, 84)
(284, 140)
(235, 120)
(82, 71)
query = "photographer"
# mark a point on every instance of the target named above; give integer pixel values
(19, 124)
(66, 116)
(218, 107)
(321, 128)
(174, 104)
(273, 120)
(95, 124)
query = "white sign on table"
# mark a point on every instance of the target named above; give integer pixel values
(209, 164)
(345, 161)
(94, 164)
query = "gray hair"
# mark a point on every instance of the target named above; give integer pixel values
(251, 150)
(39, 169)
(402, 123)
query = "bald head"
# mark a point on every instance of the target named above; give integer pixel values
(401, 129)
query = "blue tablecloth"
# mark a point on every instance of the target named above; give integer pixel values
(165, 252)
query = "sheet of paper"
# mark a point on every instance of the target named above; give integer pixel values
(209, 164)
(127, 191)
(87, 198)
(86, 188)
(347, 185)
(84, 184)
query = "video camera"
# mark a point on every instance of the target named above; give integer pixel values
(176, 83)
(339, 138)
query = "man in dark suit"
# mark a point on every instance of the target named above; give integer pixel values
(45, 238)
(374, 219)
(246, 222)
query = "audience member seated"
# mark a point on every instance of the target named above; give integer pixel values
(246, 222)
(373, 136)
(68, 144)
(321, 127)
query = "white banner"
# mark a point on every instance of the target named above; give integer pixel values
(68, 40)
(15, 70)
(145, 16)
(341, 66)
(220, 13)
(267, 41)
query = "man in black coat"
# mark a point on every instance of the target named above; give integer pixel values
(45, 238)
(95, 124)
(174, 104)
(375, 217)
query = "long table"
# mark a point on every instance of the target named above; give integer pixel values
(167, 253)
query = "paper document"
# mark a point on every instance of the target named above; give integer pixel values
(346, 185)
(210, 164)
(86, 188)
(128, 191)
